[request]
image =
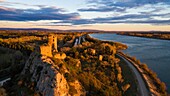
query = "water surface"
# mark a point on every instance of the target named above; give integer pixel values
(154, 52)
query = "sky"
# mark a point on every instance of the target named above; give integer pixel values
(108, 15)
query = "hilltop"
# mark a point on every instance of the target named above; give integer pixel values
(65, 64)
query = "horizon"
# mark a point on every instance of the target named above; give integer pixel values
(77, 30)
(106, 15)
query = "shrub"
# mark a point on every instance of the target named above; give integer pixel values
(69, 77)
(3, 92)
(72, 90)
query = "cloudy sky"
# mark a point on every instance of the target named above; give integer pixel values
(122, 15)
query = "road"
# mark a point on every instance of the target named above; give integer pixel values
(142, 86)
(2, 81)
(79, 40)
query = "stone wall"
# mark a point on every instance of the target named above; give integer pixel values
(50, 47)
(46, 50)
(52, 41)
(60, 56)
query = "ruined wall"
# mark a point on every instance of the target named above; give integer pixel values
(50, 47)
(60, 56)
(52, 41)
(46, 50)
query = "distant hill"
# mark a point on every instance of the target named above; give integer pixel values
(24, 29)
(82, 30)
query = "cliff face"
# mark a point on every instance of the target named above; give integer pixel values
(46, 77)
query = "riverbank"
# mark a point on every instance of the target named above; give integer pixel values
(161, 36)
(154, 84)
(141, 85)
(118, 45)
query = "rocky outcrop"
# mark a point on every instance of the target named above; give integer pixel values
(46, 76)
(47, 79)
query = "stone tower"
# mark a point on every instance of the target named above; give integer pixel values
(51, 47)
(52, 41)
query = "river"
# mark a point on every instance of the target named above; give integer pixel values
(154, 52)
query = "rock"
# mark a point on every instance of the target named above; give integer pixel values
(78, 63)
(48, 80)
(100, 57)
(91, 51)
(60, 56)
(119, 77)
(125, 87)
(3, 92)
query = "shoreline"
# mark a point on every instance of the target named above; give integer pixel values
(143, 36)
(141, 82)
(151, 79)
(147, 74)
(124, 46)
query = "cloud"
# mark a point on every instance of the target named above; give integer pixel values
(118, 5)
(77, 22)
(128, 11)
(142, 14)
(126, 19)
(44, 13)
(102, 9)
(154, 22)
(12, 4)
(137, 18)
(127, 3)
(123, 17)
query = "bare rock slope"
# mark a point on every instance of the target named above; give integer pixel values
(46, 77)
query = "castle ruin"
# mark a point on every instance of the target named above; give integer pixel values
(52, 41)
(51, 48)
